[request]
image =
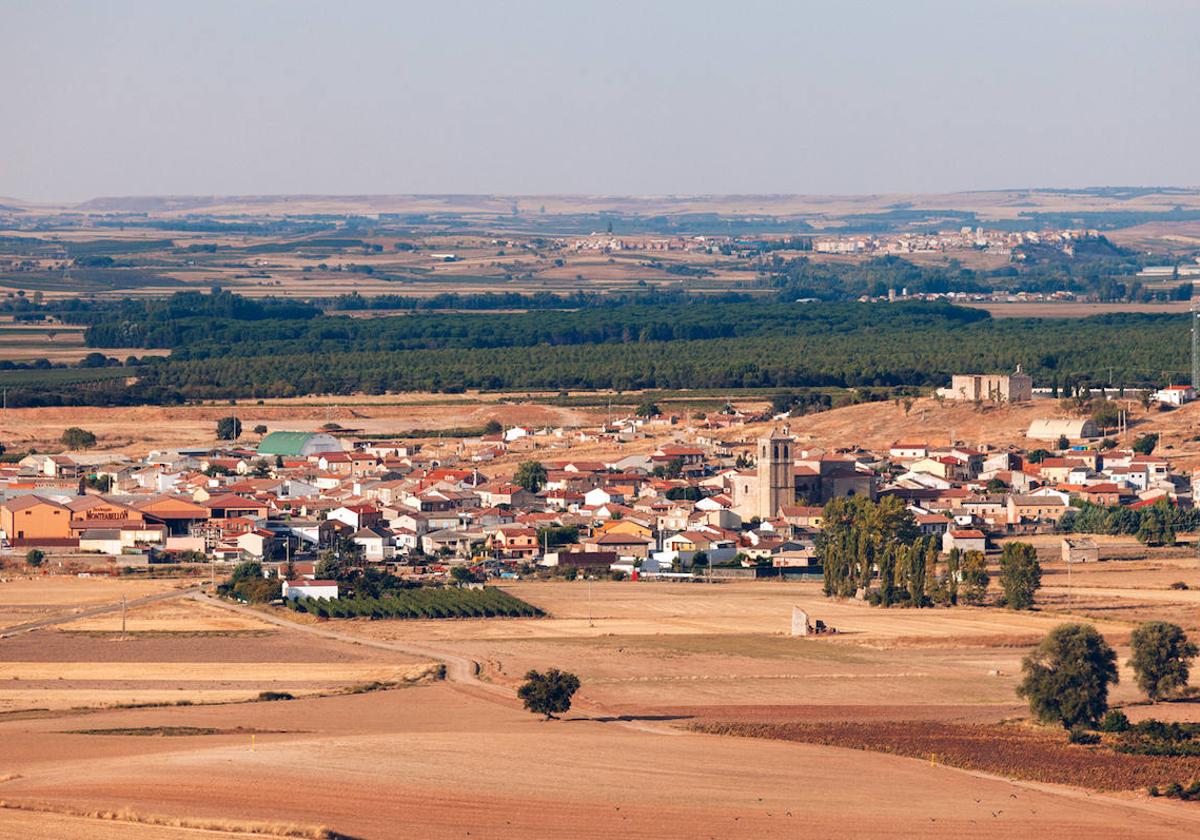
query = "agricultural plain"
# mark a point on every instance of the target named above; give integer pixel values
(658, 662)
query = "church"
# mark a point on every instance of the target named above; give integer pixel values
(779, 478)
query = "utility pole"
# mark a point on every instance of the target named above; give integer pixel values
(122, 618)
(1196, 345)
(1068, 581)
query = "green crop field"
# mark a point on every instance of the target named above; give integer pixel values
(60, 376)
(488, 602)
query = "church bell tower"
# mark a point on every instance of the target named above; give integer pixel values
(776, 481)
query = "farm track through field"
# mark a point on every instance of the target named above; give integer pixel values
(75, 615)
(463, 673)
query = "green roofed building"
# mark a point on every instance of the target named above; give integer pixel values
(298, 444)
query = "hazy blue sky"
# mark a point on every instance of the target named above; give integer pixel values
(157, 97)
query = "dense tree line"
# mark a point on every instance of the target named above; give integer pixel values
(1155, 524)
(873, 550)
(221, 328)
(226, 346)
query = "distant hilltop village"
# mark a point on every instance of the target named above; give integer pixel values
(999, 242)
(1003, 243)
(968, 238)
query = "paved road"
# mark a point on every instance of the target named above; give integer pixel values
(63, 618)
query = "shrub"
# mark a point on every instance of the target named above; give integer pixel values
(77, 438)
(1114, 721)
(1068, 674)
(35, 557)
(1080, 735)
(229, 428)
(1179, 585)
(275, 695)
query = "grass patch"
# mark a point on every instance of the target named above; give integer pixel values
(174, 731)
(267, 829)
(171, 634)
(748, 645)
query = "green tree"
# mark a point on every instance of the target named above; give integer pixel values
(1157, 524)
(1067, 676)
(1037, 456)
(975, 578)
(1106, 413)
(492, 427)
(1020, 575)
(782, 401)
(531, 475)
(77, 438)
(548, 693)
(1161, 658)
(1145, 444)
(260, 429)
(1063, 442)
(674, 468)
(229, 428)
(462, 574)
(648, 410)
(953, 573)
(35, 557)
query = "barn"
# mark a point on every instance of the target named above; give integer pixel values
(298, 444)
(1071, 429)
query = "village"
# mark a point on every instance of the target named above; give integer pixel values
(726, 496)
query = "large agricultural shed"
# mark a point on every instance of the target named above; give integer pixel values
(1070, 429)
(298, 444)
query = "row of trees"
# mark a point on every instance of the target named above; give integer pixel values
(1155, 524)
(874, 548)
(1067, 677)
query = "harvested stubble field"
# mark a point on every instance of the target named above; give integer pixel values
(178, 650)
(409, 764)
(654, 658)
(31, 598)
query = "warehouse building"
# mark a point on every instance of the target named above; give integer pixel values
(298, 444)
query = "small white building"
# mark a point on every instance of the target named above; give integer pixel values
(293, 589)
(1175, 394)
(968, 539)
(516, 433)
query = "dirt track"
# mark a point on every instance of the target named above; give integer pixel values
(442, 760)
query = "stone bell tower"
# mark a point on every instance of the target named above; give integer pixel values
(776, 479)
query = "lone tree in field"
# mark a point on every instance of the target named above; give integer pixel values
(34, 557)
(1020, 575)
(550, 693)
(531, 475)
(1162, 657)
(77, 438)
(229, 428)
(260, 429)
(1067, 676)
